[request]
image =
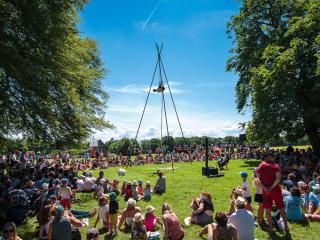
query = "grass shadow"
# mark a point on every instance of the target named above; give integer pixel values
(251, 163)
(276, 236)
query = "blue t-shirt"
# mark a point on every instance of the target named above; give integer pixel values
(313, 199)
(293, 208)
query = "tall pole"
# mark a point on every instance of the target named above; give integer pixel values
(207, 158)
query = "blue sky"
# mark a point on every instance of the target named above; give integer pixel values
(195, 51)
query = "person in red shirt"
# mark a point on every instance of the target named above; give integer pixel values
(269, 174)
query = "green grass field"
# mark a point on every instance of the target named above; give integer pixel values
(184, 183)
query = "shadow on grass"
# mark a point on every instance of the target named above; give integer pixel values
(276, 236)
(251, 163)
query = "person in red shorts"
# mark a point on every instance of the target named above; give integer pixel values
(269, 174)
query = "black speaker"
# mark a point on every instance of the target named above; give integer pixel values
(242, 137)
(209, 171)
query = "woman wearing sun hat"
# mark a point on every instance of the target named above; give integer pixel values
(138, 231)
(128, 214)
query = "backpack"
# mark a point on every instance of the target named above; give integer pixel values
(18, 198)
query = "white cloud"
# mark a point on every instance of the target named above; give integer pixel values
(194, 123)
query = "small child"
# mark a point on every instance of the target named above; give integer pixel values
(134, 190)
(114, 187)
(113, 212)
(127, 191)
(138, 229)
(258, 197)
(123, 187)
(140, 190)
(150, 219)
(147, 192)
(103, 212)
(65, 194)
(245, 187)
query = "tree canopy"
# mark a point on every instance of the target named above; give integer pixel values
(276, 54)
(50, 76)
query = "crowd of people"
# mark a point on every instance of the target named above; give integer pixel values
(286, 189)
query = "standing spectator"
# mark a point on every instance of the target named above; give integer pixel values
(258, 196)
(245, 187)
(243, 220)
(269, 174)
(113, 212)
(103, 212)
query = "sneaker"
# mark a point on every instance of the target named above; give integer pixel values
(85, 222)
(187, 221)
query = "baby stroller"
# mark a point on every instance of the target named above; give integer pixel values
(19, 208)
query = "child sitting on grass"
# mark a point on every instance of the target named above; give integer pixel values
(147, 192)
(151, 219)
(140, 190)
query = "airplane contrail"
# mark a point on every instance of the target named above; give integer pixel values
(153, 11)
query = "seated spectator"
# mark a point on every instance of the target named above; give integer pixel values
(151, 219)
(10, 232)
(243, 220)
(147, 192)
(93, 234)
(138, 231)
(44, 220)
(222, 230)
(293, 205)
(60, 228)
(202, 213)
(127, 191)
(128, 214)
(171, 226)
(313, 199)
(160, 186)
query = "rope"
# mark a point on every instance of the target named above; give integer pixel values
(174, 105)
(145, 105)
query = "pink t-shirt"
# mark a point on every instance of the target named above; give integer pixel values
(149, 222)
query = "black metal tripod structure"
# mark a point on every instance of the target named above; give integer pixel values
(160, 89)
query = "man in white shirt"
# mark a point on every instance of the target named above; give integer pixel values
(243, 220)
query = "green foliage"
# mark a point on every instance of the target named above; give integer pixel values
(276, 56)
(50, 77)
(120, 146)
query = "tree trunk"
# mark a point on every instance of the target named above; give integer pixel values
(313, 135)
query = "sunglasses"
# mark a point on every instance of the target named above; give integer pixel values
(9, 231)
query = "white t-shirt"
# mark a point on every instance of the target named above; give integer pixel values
(243, 220)
(88, 184)
(246, 186)
(103, 210)
(80, 185)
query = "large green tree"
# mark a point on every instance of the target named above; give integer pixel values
(276, 54)
(50, 76)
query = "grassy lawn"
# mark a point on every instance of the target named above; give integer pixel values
(181, 186)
